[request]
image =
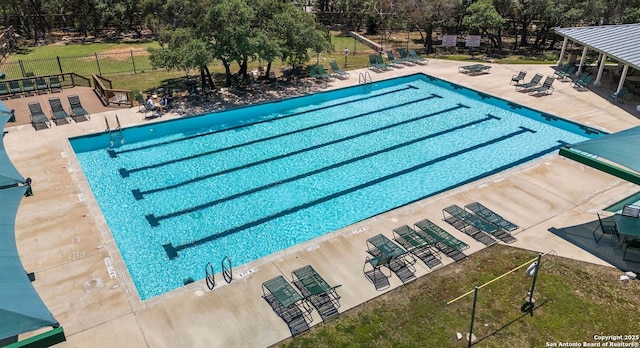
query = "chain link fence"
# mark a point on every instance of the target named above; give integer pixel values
(125, 62)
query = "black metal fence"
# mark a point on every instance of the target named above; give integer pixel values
(126, 62)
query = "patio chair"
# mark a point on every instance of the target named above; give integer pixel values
(418, 245)
(566, 71)
(41, 85)
(14, 88)
(631, 210)
(380, 61)
(404, 56)
(397, 63)
(613, 96)
(545, 89)
(607, 228)
(417, 58)
(374, 65)
(469, 224)
(582, 82)
(288, 304)
(59, 116)
(38, 119)
(77, 111)
(339, 73)
(518, 78)
(54, 84)
(399, 263)
(4, 90)
(490, 216)
(535, 80)
(634, 246)
(316, 290)
(445, 242)
(28, 87)
(323, 74)
(372, 270)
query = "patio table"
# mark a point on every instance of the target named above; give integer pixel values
(627, 226)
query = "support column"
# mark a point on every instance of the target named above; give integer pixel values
(622, 77)
(564, 48)
(597, 82)
(584, 56)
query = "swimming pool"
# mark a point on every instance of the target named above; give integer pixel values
(251, 181)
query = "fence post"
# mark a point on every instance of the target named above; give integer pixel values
(97, 63)
(59, 65)
(133, 62)
(21, 67)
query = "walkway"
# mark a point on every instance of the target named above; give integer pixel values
(64, 238)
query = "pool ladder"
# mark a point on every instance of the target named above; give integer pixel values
(364, 78)
(115, 135)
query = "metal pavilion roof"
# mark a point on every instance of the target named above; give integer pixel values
(620, 42)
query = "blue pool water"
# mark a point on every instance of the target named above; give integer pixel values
(251, 181)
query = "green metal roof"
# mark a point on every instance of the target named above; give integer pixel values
(9, 175)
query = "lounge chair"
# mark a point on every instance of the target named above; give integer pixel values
(405, 57)
(14, 88)
(28, 87)
(545, 89)
(396, 63)
(474, 69)
(582, 82)
(382, 247)
(535, 80)
(417, 58)
(54, 84)
(490, 216)
(59, 116)
(288, 304)
(372, 270)
(317, 291)
(339, 73)
(613, 96)
(323, 74)
(445, 242)
(4, 90)
(77, 111)
(374, 65)
(565, 73)
(474, 227)
(41, 85)
(417, 244)
(381, 62)
(38, 118)
(519, 78)
(630, 210)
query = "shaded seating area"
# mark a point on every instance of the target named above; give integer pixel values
(77, 111)
(38, 119)
(337, 72)
(535, 80)
(469, 224)
(399, 261)
(445, 242)
(491, 216)
(58, 114)
(288, 304)
(316, 290)
(418, 245)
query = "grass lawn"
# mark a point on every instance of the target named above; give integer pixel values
(574, 301)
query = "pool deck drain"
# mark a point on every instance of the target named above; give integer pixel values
(64, 239)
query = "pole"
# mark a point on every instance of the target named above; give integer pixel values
(133, 61)
(533, 284)
(473, 314)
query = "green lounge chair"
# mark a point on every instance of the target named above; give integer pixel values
(59, 116)
(4, 90)
(490, 216)
(317, 291)
(323, 74)
(545, 89)
(382, 247)
(417, 58)
(613, 96)
(38, 119)
(14, 88)
(468, 68)
(396, 63)
(418, 245)
(405, 57)
(582, 82)
(472, 225)
(54, 84)
(565, 73)
(339, 73)
(28, 87)
(475, 69)
(381, 62)
(535, 80)
(519, 78)
(374, 65)
(41, 85)
(446, 243)
(372, 270)
(77, 111)
(288, 304)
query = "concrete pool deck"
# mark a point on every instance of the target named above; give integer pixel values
(63, 237)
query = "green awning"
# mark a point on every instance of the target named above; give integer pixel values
(21, 308)
(9, 175)
(617, 154)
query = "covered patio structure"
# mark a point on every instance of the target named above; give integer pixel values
(618, 42)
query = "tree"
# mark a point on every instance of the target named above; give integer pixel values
(483, 18)
(425, 16)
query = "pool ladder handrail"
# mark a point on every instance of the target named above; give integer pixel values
(364, 78)
(117, 135)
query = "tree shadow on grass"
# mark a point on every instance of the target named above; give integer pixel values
(509, 323)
